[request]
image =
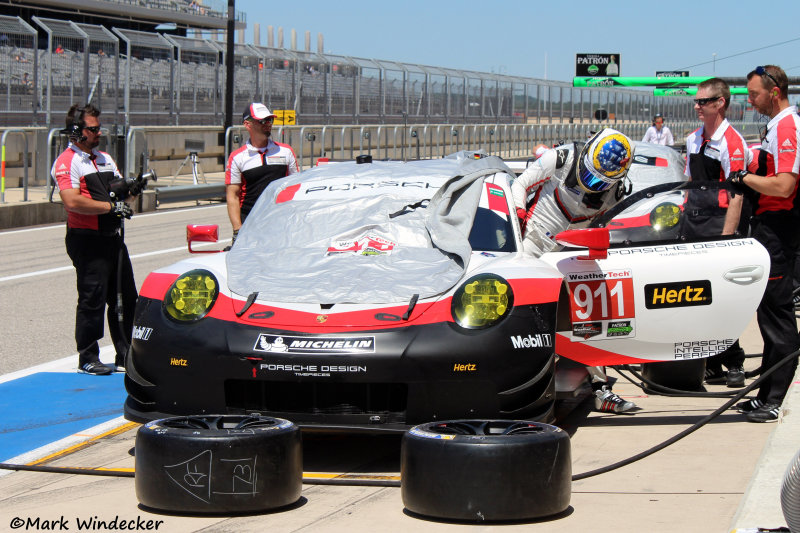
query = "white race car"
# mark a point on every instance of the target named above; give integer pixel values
(386, 294)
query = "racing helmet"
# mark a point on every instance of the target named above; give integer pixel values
(604, 160)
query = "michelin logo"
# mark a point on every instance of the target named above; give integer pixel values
(540, 340)
(314, 345)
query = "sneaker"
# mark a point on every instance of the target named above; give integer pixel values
(735, 377)
(607, 401)
(766, 413)
(748, 406)
(94, 367)
(714, 375)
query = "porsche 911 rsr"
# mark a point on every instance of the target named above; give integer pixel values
(381, 295)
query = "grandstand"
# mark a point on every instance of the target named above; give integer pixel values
(54, 53)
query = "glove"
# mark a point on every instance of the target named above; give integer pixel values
(736, 182)
(137, 186)
(121, 210)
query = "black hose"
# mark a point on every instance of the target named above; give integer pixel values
(346, 481)
(667, 391)
(697, 425)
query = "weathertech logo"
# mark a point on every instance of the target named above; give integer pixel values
(677, 294)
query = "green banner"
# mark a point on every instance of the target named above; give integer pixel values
(691, 91)
(633, 81)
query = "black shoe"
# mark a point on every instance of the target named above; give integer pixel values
(735, 377)
(119, 364)
(714, 375)
(748, 406)
(769, 412)
(94, 367)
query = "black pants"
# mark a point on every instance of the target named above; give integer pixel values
(733, 357)
(96, 259)
(778, 232)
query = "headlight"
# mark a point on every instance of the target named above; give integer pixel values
(191, 296)
(665, 216)
(482, 301)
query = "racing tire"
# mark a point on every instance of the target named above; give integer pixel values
(681, 375)
(218, 464)
(477, 470)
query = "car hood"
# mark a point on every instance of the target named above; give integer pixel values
(364, 248)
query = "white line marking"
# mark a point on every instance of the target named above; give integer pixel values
(65, 364)
(136, 256)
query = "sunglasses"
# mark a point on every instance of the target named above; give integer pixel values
(761, 71)
(263, 121)
(703, 101)
(93, 129)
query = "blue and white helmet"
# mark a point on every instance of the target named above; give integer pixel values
(604, 160)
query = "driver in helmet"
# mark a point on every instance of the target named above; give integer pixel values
(568, 185)
(564, 188)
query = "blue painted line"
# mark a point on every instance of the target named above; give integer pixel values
(48, 406)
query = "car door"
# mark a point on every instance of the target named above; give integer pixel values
(655, 296)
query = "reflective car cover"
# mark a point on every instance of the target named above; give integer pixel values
(654, 164)
(361, 233)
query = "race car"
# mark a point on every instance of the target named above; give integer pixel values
(379, 295)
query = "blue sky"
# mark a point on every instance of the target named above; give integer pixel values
(540, 39)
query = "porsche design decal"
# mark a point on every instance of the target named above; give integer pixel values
(314, 345)
(677, 294)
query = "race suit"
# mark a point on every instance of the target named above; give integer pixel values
(97, 249)
(547, 194)
(255, 168)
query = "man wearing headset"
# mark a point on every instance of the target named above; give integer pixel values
(658, 133)
(86, 179)
(775, 225)
(565, 188)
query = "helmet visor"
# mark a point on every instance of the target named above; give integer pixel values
(589, 181)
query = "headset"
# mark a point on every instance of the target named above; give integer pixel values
(74, 128)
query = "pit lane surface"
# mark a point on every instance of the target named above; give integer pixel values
(694, 485)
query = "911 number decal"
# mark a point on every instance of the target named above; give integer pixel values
(601, 304)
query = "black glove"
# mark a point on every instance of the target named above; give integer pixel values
(121, 210)
(138, 185)
(736, 182)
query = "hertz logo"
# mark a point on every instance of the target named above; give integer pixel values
(677, 294)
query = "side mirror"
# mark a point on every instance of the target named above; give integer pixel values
(595, 239)
(202, 233)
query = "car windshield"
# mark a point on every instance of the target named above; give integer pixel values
(491, 232)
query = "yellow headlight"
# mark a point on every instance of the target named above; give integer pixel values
(191, 296)
(665, 216)
(482, 301)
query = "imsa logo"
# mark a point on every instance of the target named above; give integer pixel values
(677, 294)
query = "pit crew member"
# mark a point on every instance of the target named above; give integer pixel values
(255, 165)
(775, 226)
(715, 150)
(95, 242)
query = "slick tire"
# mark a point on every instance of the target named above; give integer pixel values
(681, 375)
(479, 470)
(218, 464)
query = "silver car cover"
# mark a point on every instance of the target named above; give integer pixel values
(371, 233)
